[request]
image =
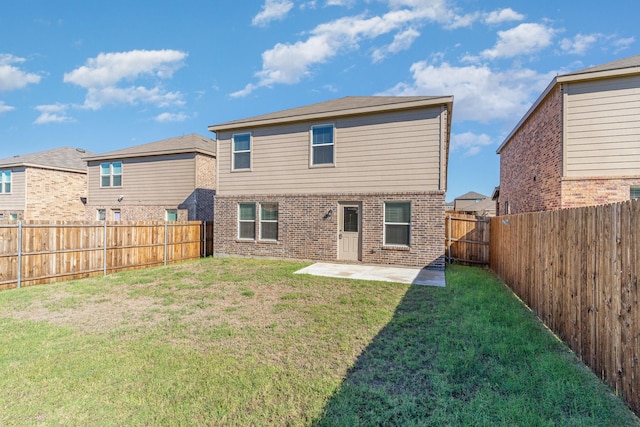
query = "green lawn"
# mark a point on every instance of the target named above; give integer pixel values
(247, 342)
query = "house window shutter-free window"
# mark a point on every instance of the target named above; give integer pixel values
(247, 221)
(322, 145)
(269, 221)
(5, 181)
(397, 223)
(241, 151)
(111, 174)
(635, 193)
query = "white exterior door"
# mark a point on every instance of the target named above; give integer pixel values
(349, 231)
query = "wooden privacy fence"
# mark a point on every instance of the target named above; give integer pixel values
(36, 252)
(578, 271)
(467, 239)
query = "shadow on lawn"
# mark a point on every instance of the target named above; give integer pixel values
(391, 382)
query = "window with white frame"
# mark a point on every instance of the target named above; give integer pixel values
(13, 217)
(101, 215)
(322, 145)
(634, 192)
(397, 223)
(269, 221)
(116, 214)
(5, 181)
(247, 221)
(111, 174)
(171, 215)
(241, 151)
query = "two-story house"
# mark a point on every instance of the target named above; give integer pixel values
(578, 145)
(358, 179)
(168, 180)
(48, 185)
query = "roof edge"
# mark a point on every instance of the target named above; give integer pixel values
(147, 154)
(250, 123)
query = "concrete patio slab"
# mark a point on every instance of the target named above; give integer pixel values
(384, 273)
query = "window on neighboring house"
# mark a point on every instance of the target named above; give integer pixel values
(5, 181)
(506, 208)
(635, 193)
(171, 215)
(397, 223)
(247, 221)
(111, 174)
(116, 214)
(269, 221)
(241, 151)
(101, 215)
(322, 145)
(13, 217)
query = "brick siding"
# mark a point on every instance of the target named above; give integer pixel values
(54, 195)
(134, 213)
(304, 231)
(531, 162)
(596, 191)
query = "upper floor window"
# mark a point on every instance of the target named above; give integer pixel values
(241, 151)
(5, 181)
(322, 145)
(635, 193)
(111, 174)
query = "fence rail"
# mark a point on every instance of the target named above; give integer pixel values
(578, 270)
(35, 252)
(467, 239)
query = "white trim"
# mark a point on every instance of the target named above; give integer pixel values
(234, 152)
(385, 223)
(332, 144)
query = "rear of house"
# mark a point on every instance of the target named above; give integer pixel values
(48, 185)
(168, 180)
(578, 145)
(358, 179)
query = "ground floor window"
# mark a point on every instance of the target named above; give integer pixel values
(171, 215)
(269, 221)
(635, 193)
(247, 221)
(101, 215)
(397, 223)
(116, 214)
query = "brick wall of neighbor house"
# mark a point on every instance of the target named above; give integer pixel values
(531, 164)
(305, 233)
(134, 213)
(6, 215)
(596, 191)
(54, 195)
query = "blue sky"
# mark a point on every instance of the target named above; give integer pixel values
(109, 75)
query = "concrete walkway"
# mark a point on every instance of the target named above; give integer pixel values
(384, 273)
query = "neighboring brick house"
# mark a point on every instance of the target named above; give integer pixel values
(578, 145)
(358, 179)
(168, 180)
(473, 203)
(47, 185)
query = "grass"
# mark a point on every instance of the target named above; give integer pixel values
(247, 342)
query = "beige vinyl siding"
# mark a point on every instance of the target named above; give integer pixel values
(146, 181)
(16, 200)
(602, 127)
(398, 151)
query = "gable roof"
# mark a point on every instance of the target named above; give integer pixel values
(63, 158)
(620, 67)
(471, 195)
(350, 105)
(192, 143)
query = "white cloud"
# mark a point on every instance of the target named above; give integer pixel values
(522, 40)
(469, 142)
(622, 44)
(288, 63)
(579, 44)
(102, 75)
(480, 93)
(5, 108)
(401, 41)
(272, 10)
(171, 117)
(53, 113)
(502, 15)
(12, 77)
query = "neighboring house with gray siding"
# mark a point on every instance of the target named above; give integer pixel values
(359, 179)
(48, 185)
(172, 179)
(578, 145)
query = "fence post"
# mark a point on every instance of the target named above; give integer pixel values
(449, 240)
(19, 254)
(204, 239)
(104, 257)
(165, 243)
